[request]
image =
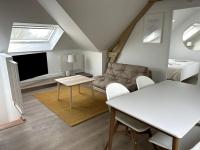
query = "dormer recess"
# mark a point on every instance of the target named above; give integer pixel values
(26, 37)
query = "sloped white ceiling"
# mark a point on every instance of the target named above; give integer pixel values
(102, 20)
(25, 11)
(56, 11)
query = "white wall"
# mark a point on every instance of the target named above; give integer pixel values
(3, 112)
(94, 62)
(8, 112)
(177, 48)
(154, 56)
(88, 61)
(57, 61)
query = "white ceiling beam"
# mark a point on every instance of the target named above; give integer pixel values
(66, 22)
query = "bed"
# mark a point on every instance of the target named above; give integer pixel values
(180, 70)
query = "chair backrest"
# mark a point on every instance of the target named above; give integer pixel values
(115, 89)
(143, 81)
(196, 147)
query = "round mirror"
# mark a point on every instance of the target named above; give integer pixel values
(191, 37)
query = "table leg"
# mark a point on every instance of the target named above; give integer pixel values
(58, 90)
(79, 89)
(176, 142)
(111, 130)
(70, 97)
(114, 131)
(92, 88)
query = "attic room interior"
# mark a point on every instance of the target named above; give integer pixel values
(100, 75)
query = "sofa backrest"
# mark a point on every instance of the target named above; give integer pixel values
(125, 71)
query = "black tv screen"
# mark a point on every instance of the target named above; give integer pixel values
(31, 65)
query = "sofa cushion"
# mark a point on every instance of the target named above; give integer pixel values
(103, 81)
(114, 69)
(121, 73)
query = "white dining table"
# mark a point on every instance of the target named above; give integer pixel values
(169, 106)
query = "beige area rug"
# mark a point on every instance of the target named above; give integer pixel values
(84, 106)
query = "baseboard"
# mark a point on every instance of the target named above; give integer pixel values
(12, 124)
(40, 78)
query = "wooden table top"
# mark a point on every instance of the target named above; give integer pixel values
(169, 106)
(74, 80)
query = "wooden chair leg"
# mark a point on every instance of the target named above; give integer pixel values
(126, 130)
(133, 138)
(150, 135)
(114, 131)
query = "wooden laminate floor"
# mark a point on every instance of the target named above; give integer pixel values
(43, 130)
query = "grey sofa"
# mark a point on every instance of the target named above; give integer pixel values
(121, 73)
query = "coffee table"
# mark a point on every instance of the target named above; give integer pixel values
(73, 81)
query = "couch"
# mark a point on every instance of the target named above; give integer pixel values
(120, 73)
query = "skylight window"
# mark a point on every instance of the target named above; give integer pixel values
(31, 33)
(33, 37)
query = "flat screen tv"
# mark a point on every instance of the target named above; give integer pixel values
(31, 65)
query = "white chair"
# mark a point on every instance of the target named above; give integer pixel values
(114, 90)
(162, 140)
(196, 147)
(143, 81)
(165, 141)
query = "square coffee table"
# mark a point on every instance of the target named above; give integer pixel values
(73, 81)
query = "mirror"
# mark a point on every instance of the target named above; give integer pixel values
(153, 24)
(184, 53)
(191, 37)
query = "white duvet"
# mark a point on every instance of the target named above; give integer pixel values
(181, 70)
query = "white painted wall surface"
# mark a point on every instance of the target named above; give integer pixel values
(3, 110)
(154, 56)
(88, 61)
(57, 61)
(94, 62)
(9, 112)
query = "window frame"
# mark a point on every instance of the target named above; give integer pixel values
(34, 26)
(37, 45)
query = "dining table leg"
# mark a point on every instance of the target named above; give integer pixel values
(111, 129)
(92, 89)
(79, 89)
(70, 97)
(58, 90)
(176, 143)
